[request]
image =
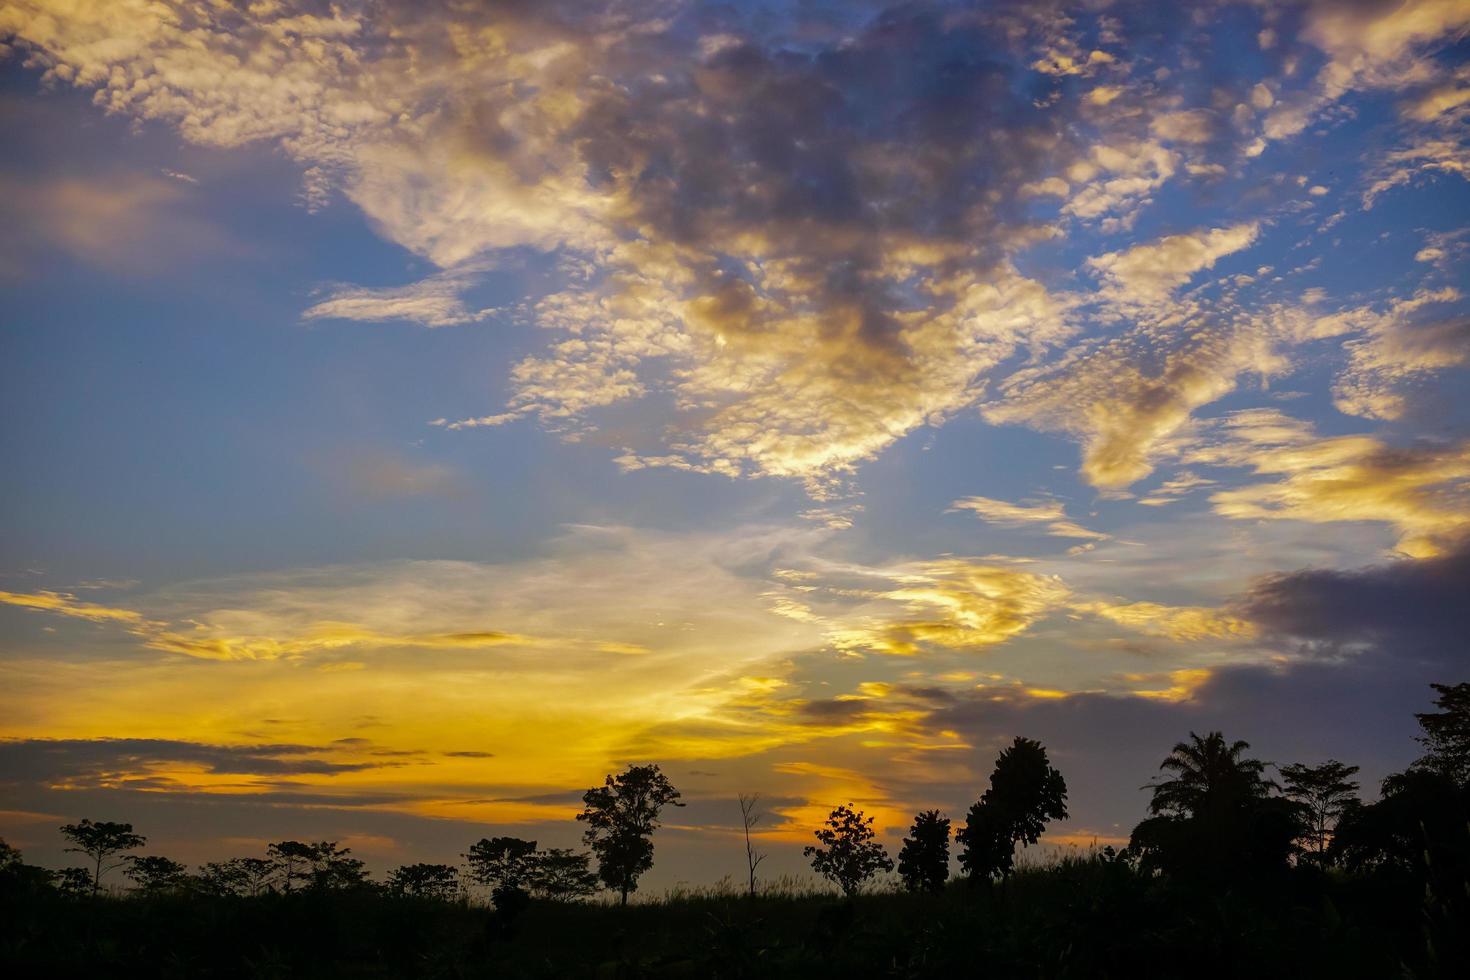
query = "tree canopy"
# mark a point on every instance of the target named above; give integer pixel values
(1025, 793)
(621, 816)
(923, 861)
(101, 842)
(847, 851)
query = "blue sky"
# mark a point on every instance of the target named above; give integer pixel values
(412, 413)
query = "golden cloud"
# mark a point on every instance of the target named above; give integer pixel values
(1050, 513)
(1423, 492)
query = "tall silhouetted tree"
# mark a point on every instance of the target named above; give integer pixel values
(436, 881)
(101, 842)
(561, 875)
(847, 851)
(1216, 815)
(750, 815)
(1418, 832)
(154, 874)
(923, 861)
(621, 816)
(294, 858)
(1447, 733)
(1325, 792)
(1025, 793)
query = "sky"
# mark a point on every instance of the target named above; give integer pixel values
(412, 412)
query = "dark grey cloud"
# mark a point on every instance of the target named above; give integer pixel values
(94, 761)
(1409, 609)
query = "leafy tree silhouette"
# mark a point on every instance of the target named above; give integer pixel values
(1419, 830)
(239, 876)
(19, 878)
(294, 859)
(332, 868)
(621, 816)
(923, 861)
(561, 875)
(1325, 792)
(1215, 815)
(1025, 792)
(101, 841)
(75, 882)
(502, 864)
(1447, 734)
(322, 866)
(154, 874)
(750, 815)
(847, 852)
(436, 881)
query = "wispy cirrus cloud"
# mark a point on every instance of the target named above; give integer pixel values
(1050, 513)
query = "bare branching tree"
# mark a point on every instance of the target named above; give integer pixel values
(750, 815)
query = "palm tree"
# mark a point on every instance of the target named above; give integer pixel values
(1209, 776)
(1216, 815)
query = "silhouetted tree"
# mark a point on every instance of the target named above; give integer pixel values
(1447, 734)
(154, 874)
(1208, 774)
(621, 816)
(1025, 792)
(75, 882)
(101, 842)
(923, 861)
(17, 877)
(847, 851)
(1420, 822)
(502, 865)
(1215, 815)
(986, 848)
(333, 869)
(294, 858)
(322, 865)
(561, 875)
(436, 881)
(1325, 792)
(750, 815)
(239, 876)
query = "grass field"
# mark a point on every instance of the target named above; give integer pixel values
(1075, 917)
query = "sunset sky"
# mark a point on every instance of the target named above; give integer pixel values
(411, 412)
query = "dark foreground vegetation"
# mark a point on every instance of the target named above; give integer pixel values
(1232, 875)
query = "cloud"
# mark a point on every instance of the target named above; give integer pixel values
(1129, 401)
(377, 473)
(127, 224)
(1184, 623)
(1412, 609)
(1006, 514)
(1424, 157)
(69, 605)
(1184, 126)
(1423, 491)
(1372, 44)
(953, 603)
(433, 302)
(120, 762)
(773, 318)
(1148, 274)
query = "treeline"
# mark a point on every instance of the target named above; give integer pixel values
(1240, 868)
(621, 816)
(1214, 816)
